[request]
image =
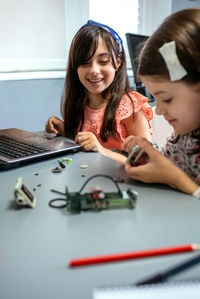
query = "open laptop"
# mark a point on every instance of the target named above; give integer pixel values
(19, 147)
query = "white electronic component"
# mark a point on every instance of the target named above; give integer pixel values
(23, 196)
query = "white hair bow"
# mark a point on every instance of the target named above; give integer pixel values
(168, 52)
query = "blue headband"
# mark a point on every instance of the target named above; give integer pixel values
(112, 32)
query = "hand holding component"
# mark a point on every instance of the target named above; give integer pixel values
(159, 169)
(136, 149)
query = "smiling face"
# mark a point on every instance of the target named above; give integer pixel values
(178, 102)
(98, 73)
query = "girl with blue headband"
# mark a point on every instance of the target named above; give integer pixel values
(98, 108)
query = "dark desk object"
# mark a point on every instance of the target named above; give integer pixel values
(165, 275)
(135, 42)
(37, 244)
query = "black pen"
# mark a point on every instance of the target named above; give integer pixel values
(161, 277)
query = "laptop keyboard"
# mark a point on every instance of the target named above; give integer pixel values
(13, 148)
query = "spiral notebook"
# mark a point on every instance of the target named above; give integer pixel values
(173, 290)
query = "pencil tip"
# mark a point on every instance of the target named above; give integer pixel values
(196, 246)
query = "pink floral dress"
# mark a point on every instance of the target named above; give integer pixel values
(179, 153)
(93, 118)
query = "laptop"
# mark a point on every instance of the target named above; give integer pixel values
(19, 147)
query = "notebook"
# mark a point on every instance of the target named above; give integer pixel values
(18, 147)
(172, 290)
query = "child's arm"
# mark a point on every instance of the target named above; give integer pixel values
(89, 142)
(160, 169)
(137, 125)
(55, 125)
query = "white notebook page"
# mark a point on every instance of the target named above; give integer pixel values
(179, 290)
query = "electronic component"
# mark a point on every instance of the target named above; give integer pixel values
(118, 180)
(136, 149)
(97, 199)
(62, 165)
(56, 169)
(23, 196)
(83, 166)
(139, 152)
(67, 160)
(124, 153)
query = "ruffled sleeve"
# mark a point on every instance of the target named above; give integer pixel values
(133, 104)
(129, 105)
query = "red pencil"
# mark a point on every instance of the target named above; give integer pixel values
(133, 255)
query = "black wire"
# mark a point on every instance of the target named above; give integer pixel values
(59, 206)
(101, 175)
(58, 192)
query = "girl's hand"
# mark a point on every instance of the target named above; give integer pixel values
(129, 143)
(55, 125)
(159, 169)
(88, 141)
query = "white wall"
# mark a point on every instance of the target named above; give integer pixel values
(36, 34)
(181, 4)
(76, 14)
(31, 30)
(153, 12)
(27, 104)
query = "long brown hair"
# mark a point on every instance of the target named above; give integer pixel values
(82, 49)
(183, 27)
